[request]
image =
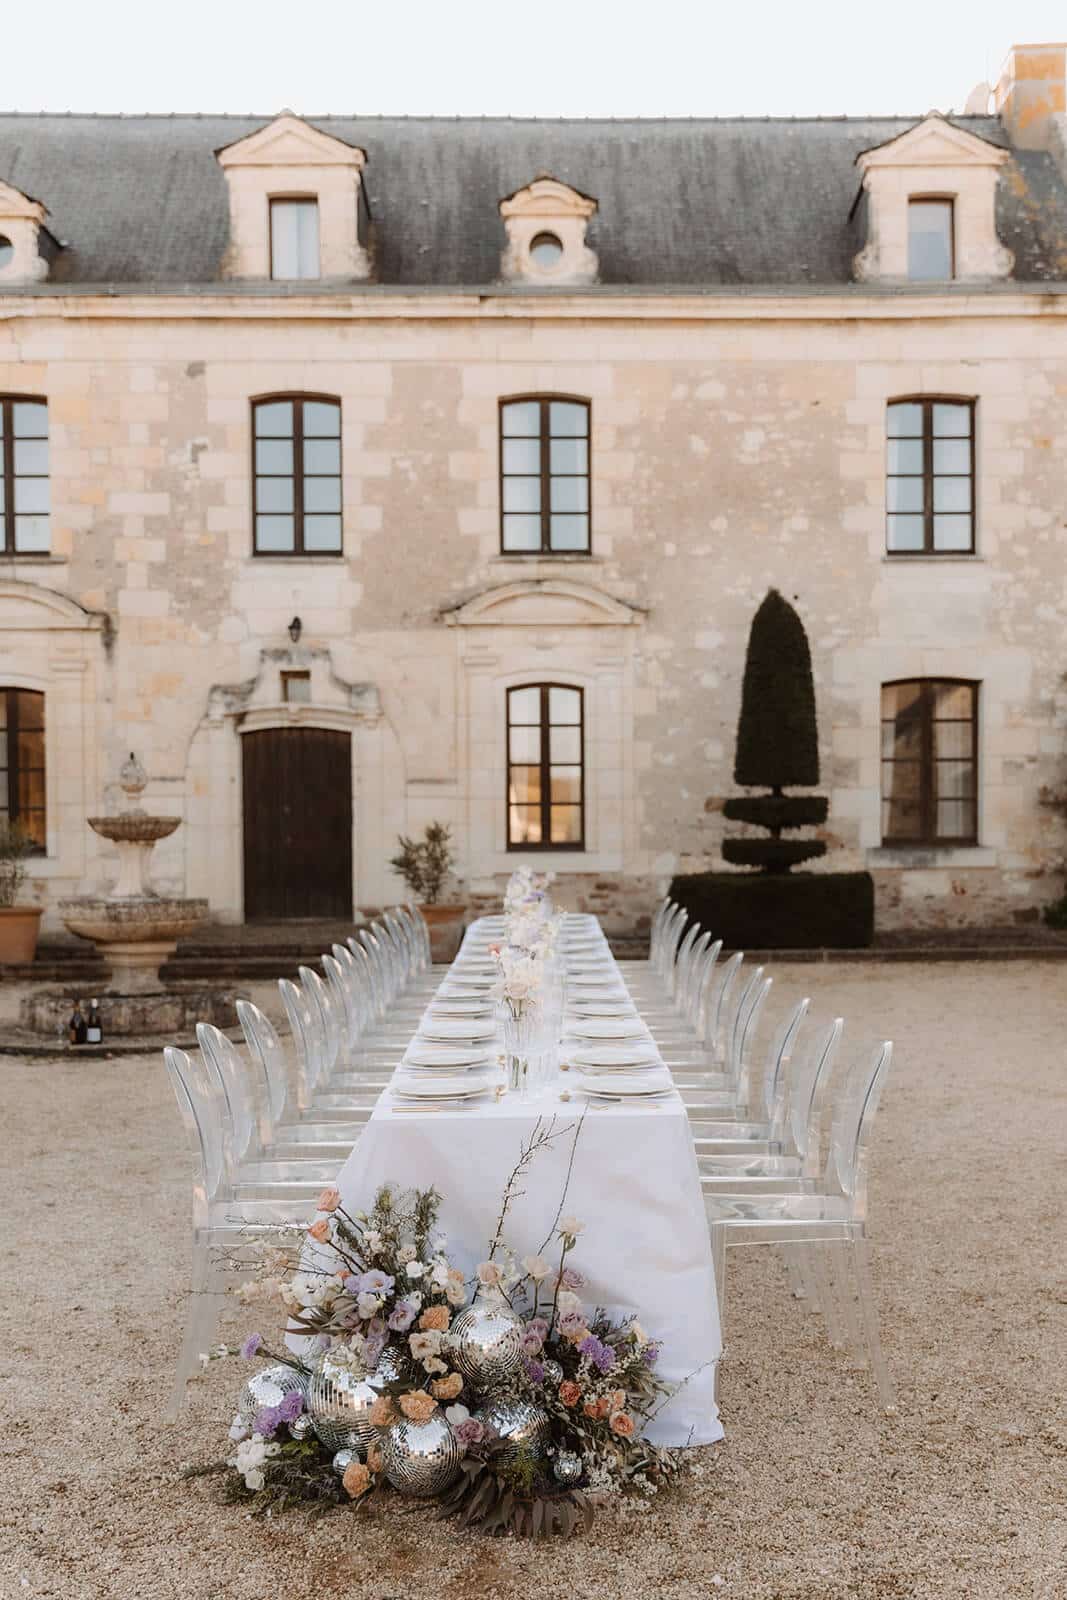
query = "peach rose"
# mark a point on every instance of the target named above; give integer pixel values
(382, 1413)
(578, 1335)
(604, 1407)
(590, 1409)
(417, 1405)
(623, 1425)
(569, 1392)
(374, 1458)
(356, 1480)
(320, 1231)
(489, 1274)
(618, 1399)
(447, 1388)
(435, 1319)
(328, 1200)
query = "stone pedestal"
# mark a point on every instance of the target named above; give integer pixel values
(136, 935)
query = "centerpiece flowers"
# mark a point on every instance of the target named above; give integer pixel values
(522, 1412)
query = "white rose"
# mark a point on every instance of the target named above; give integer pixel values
(454, 1415)
(406, 1253)
(254, 1479)
(367, 1305)
(415, 1269)
(571, 1227)
(568, 1301)
(536, 1267)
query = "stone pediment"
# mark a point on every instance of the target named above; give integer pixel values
(547, 197)
(543, 603)
(29, 607)
(331, 699)
(13, 203)
(933, 142)
(289, 141)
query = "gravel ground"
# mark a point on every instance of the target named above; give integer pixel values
(812, 1496)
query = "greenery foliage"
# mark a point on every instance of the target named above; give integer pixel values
(777, 742)
(425, 864)
(781, 911)
(15, 846)
(1056, 913)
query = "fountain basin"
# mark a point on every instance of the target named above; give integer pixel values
(139, 933)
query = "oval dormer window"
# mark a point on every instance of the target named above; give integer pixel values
(7, 250)
(546, 251)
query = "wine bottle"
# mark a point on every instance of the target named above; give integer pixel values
(76, 1026)
(94, 1031)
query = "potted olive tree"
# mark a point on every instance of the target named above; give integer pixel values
(19, 925)
(425, 865)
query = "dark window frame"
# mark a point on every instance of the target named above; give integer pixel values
(13, 812)
(545, 400)
(545, 803)
(7, 472)
(289, 199)
(938, 200)
(298, 398)
(295, 676)
(929, 838)
(927, 403)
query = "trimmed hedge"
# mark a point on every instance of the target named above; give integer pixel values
(777, 810)
(772, 855)
(781, 911)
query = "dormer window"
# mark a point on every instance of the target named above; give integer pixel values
(294, 238)
(7, 251)
(26, 246)
(930, 240)
(298, 210)
(930, 197)
(546, 225)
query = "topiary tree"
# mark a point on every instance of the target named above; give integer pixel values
(777, 743)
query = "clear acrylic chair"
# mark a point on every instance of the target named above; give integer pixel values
(252, 1171)
(221, 1219)
(830, 1218)
(284, 1134)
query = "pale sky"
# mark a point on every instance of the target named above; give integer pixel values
(575, 58)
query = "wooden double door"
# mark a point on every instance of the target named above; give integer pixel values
(297, 824)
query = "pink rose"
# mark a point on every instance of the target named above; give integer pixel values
(320, 1230)
(328, 1200)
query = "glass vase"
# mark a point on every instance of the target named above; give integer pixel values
(521, 1040)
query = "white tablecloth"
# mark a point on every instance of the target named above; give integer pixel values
(644, 1250)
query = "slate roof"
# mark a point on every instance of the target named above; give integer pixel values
(141, 200)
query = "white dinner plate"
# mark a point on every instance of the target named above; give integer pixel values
(614, 1057)
(602, 1006)
(446, 1057)
(593, 983)
(468, 987)
(447, 1030)
(459, 1006)
(633, 1086)
(431, 1089)
(608, 1028)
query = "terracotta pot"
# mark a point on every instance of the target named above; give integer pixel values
(445, 924)
(435, 915)
(19, 926)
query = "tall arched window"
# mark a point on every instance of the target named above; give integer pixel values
(546, 773)
(930, 476)
(24, 488)
(22, 794)
(296, 475)
(544, 475)
(929, 762)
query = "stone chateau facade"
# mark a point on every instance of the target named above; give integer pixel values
(363, 473)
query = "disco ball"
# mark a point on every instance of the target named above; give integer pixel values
(521, 1426)
(301, 1426)
(342, 1460)
(553, 1371)
(269, 1387)
(420, 1458)
(487, 1340)
(339, 1403)
(567, 1468)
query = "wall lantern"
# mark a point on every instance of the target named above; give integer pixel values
(296, 628)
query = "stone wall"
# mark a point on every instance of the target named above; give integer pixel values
(736, 444)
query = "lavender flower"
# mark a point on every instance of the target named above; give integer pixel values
(535, 1371)
(376, 1282)
(266, 1421)
(590, 1346)
(604, 1359)
(650, 1354)
(291, 1407)
(402, 1316)
(251, 1345)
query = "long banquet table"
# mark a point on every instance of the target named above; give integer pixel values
(644, 1250)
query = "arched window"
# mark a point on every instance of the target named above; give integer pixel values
(24, 487)
(22, 798)
(929, 762)
(544, 475)
(296, 475)
(930, 476)
(546, 772)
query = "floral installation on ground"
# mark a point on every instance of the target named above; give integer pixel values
(509, 1402)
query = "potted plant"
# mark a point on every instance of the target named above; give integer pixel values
(425, 865)
(18, 924)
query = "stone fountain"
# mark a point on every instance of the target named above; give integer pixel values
(136, 930)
